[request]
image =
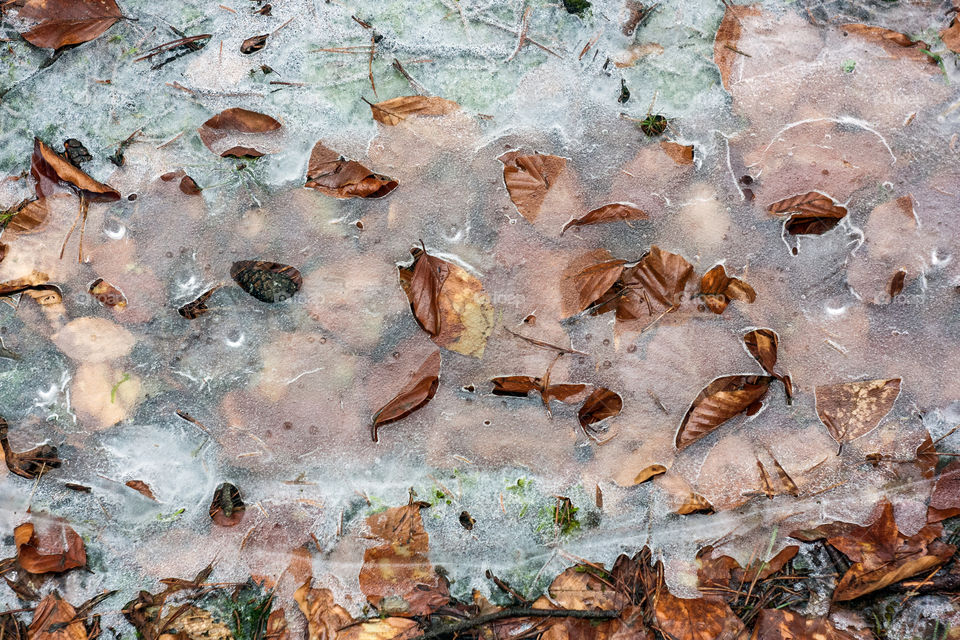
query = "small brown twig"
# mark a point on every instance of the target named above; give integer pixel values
(514, 612)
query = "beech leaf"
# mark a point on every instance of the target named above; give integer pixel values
(853, 409)
(779, 624)
(528, 178)
(418, 391)
(717, 289)
(396, 110)
(719, 401)
(50, 169)
(429, 274)
(235, 123)
(54, 548)
(60, 23)
(596, 280)
(331, 174)
(812, 213)
(763, 345)
(56, 619)
(616, 212)
(599, 405)
(680, 153)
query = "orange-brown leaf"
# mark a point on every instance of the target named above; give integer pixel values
(59, 23)
(594, 281)
(679, 153)
(528, 178)
(396, 110)
(655, 284)
(779, 624)
(696, 618)
(429, 274)
(331, 174)
(600, 404)
(717, 289)
(54, 548)
(945, 500)
(852, 409)
(725, 45)
(235, 123)
(107, 294)
(719, 401)
(56, 619)
(615, 212)
(50, 169)
(895, 43)
(811, 213)
(142, 488)
(324, 617)
(418, 391)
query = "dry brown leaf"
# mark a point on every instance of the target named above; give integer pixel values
(56, 619)
(50, 169)
(882, 556)
(396, 576)
(654, 285)
(528, 178)
(53, 549)
(811, 213)
(951, 36)
(27, 464)
(695, 619)
(679, 153)
(600, 404)
(615, 212)
(236, 124)
(396, 110)
(725, 45)
(719, 401)
(141, 487)
(591, 283)
(60, 23)
(107, 294)
(392, 628)
(463, 307)
(649, 472)
(418, 391)
(581, 588)
(429, 274)
(763, 345)
(695, 503)
(895, 43)
(331, 174)
(853, 409)
(29, 216)
(778, 624)
(945, 500)
(718, 289)
(325, 618)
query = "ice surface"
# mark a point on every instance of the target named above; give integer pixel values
(283, 394)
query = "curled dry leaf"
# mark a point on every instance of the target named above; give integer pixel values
(812, 213)
(196, 308)
(719, 401)
(679, 153)
(951, 36)
(945, 500)
(236, 124)
(599, 405)
(718, 289)
(50, 169)
(653, 286)
(779, 624)
(593, 282)
(695, 503)
(580, 588)
(27, 464)
(721, 576)
(615, 212)
(56, 619)
(227, 507)
(895, 43)
(396, 110)
(106, 294)
(418, 391)
(528, 178)
(445, 298)
(325, 618)
(331, 174)
(881, 555)
(60, 23)
(696, 618)
(254, 44)
(54, 548)
(853, 409)
(763, 345)
(396, 576)
(141, 487)
(30, 215)
(650, 472)
(268, 282)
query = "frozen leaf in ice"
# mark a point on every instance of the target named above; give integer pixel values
(59, 23)
(895, 43)
(418, 391)
(56, 619)
(951, 35)
(789, 486)
(396, 110)
(853, 409)
(695, 503)
(50, 169)
(187, 184)
(92, 340)
(196, 308)
(779, 624)
(881, 555)
(763, 344)
(331, 174)
(616, 212)
(396, 576)
(718, 289)
(107, 294)
(325, 618)
(679, 153)
(649, 472)
(391, 628)
(456, 298)
(266, 281)
(53, 548)
(516, 386)
(254, 44)
(141, 487)
(811, 213)
(945, 500)
(599, 405)
(235, 124)
(725, 46)
(695, 619)
(27, 464)
(29, 216)
(654, 285)
(592, 282)
(719, 401)
(580, 588)
(227, 507)
(528, 178)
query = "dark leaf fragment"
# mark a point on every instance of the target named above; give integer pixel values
(266, 281)
(27, 464)
(227, 507)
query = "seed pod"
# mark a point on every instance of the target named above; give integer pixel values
(266, 281)
(226, 508)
